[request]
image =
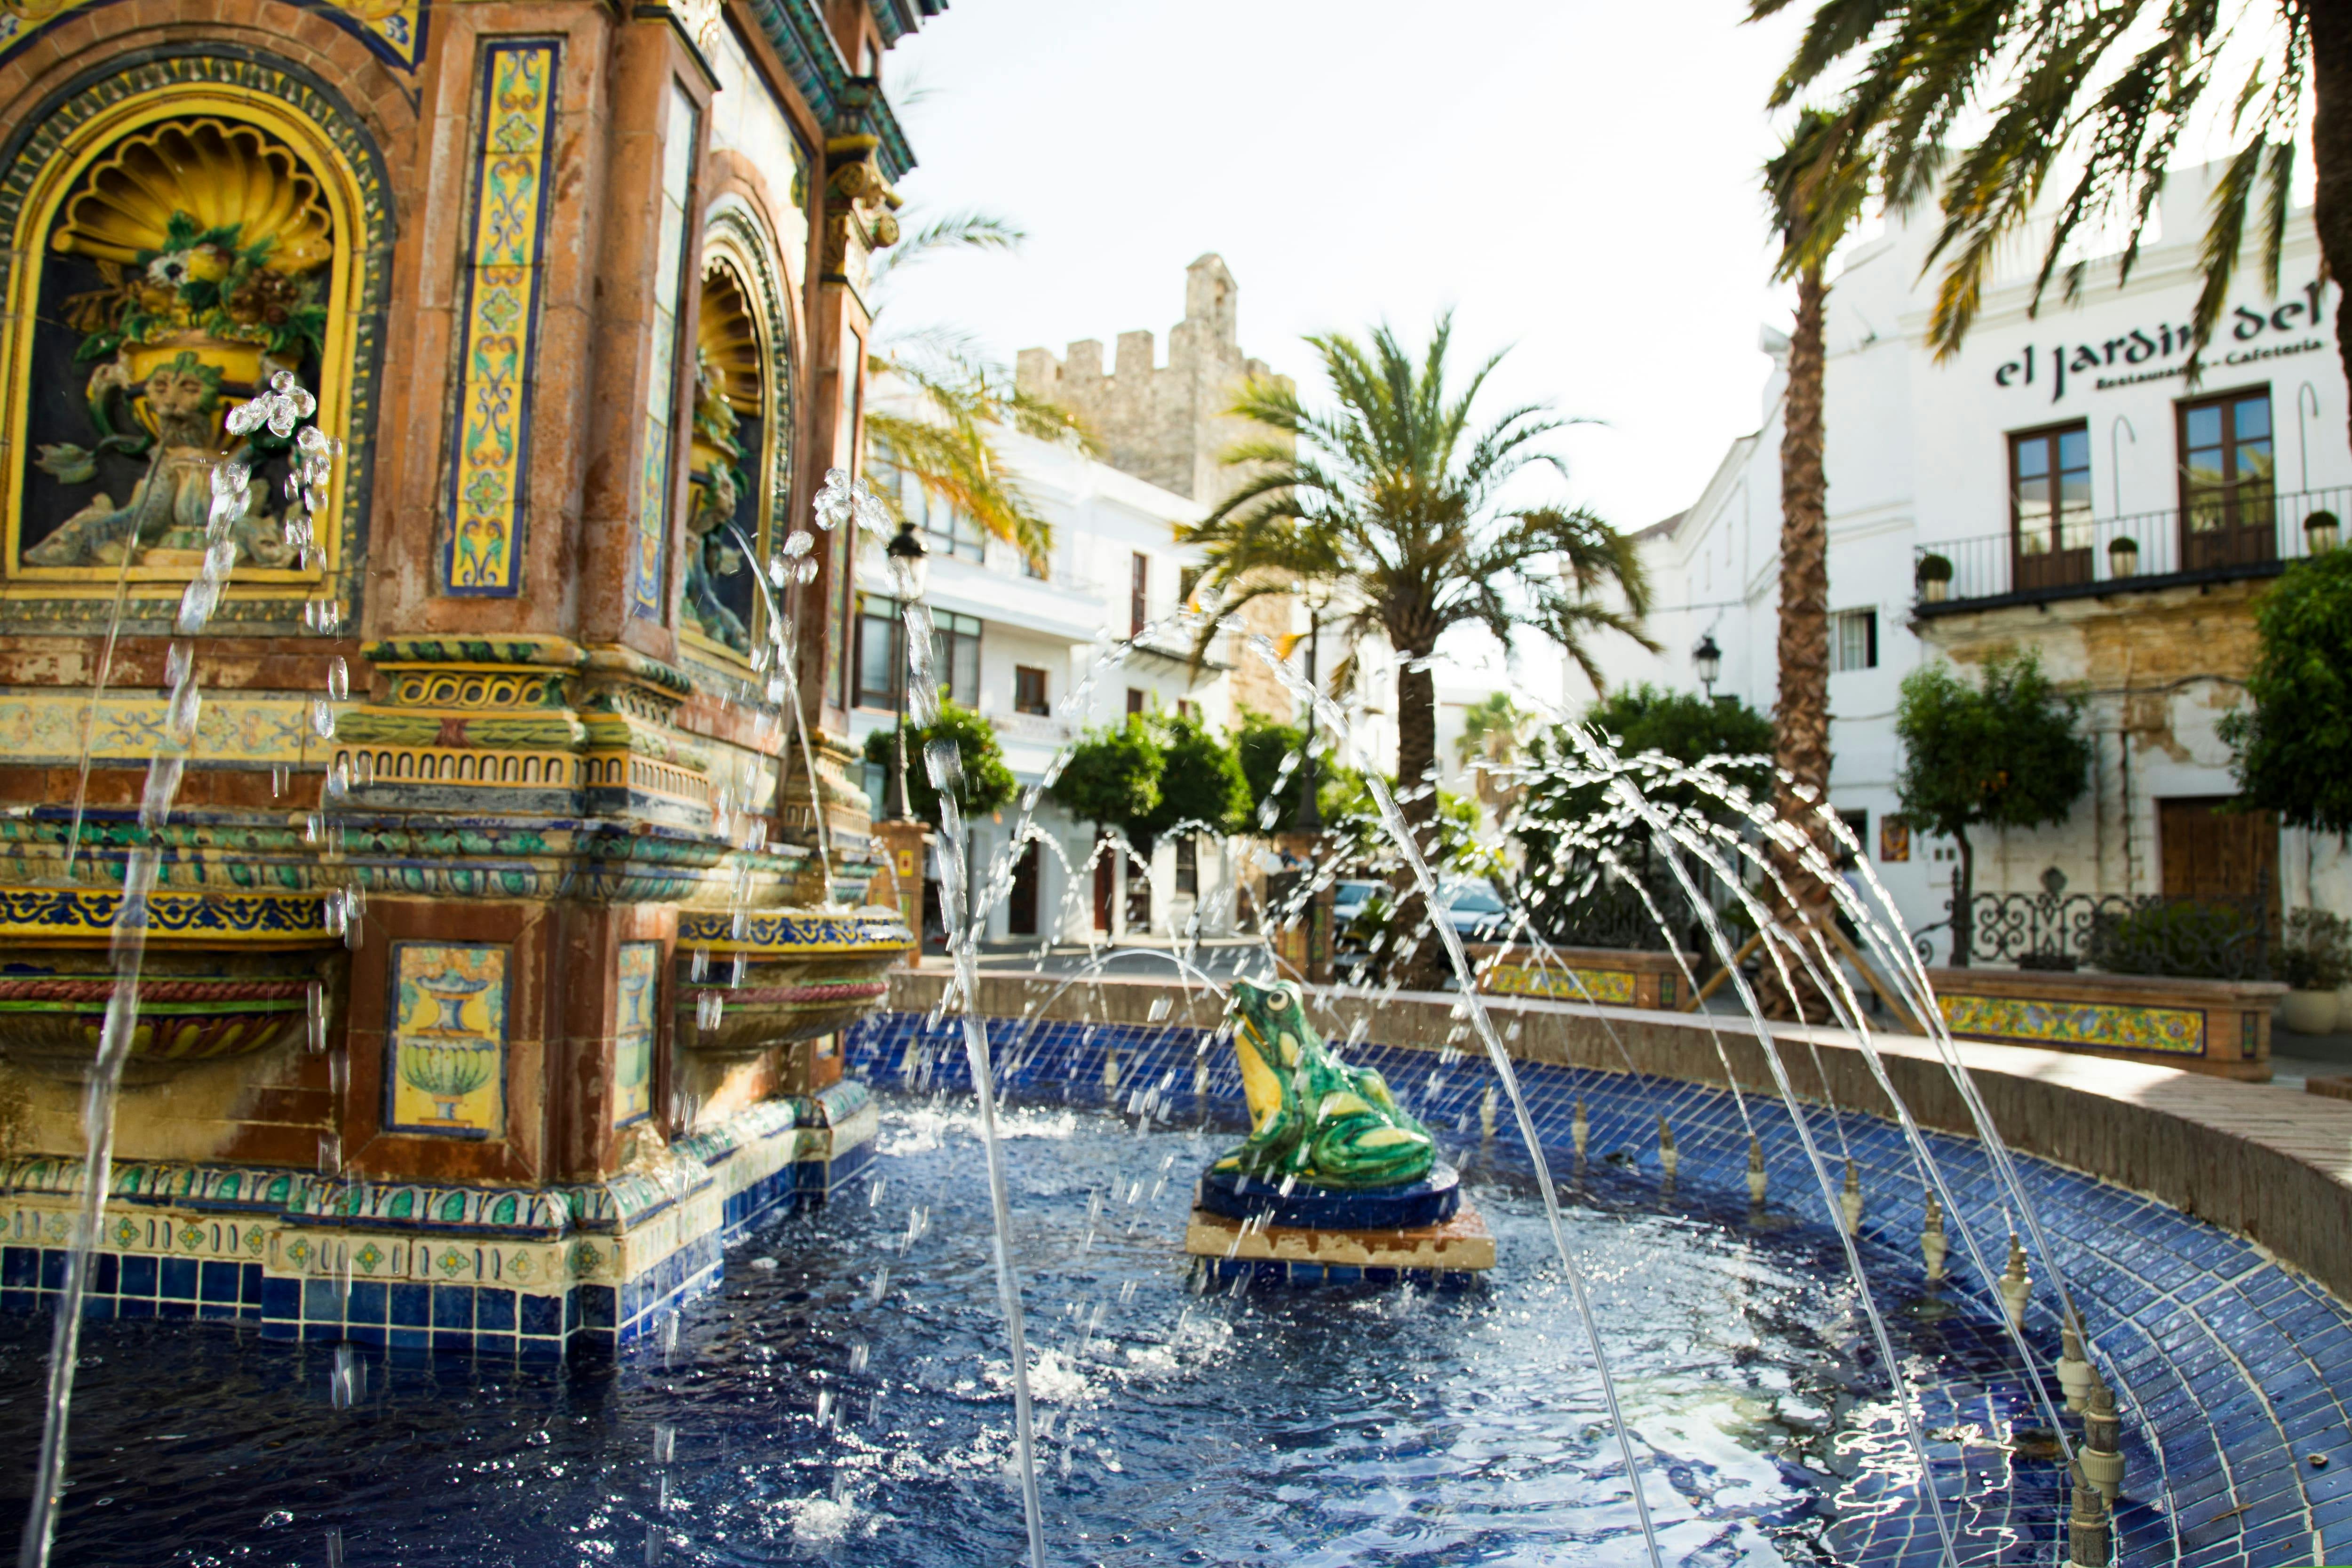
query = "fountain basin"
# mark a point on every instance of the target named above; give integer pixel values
(805, 973)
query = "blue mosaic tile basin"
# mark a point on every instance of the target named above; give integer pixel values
(840, 1397)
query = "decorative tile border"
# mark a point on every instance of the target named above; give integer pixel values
(85, 916)
(393, 29)
(491, 1271)
(490, 442)
(1568, 984)
(257, 728)
(2103, 1025)
(716, 929)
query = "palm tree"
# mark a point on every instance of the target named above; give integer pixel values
(948, 443)
(1393, 500)
(1816, 186)
(1492, 729)
(2111, 88)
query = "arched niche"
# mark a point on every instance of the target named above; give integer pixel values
(741, 473)
(175, 233)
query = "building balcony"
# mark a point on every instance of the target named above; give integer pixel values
(1035, 728)
(2228, 538)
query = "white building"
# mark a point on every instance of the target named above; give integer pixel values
(1028, 651)
(2022, 461)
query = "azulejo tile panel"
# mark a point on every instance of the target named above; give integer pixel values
(489, 468)
(45, 725)
(2108, 1025)
(1612, 985)
(633, 1048)
(720, 931)
(445, 1067)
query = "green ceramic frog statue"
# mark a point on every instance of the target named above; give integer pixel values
(1311, 1115)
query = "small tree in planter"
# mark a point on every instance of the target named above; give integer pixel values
(2122, 556)
(1934, 576)
(2293, 738)
(2006, 752)
(987, 785)
(1112, 777)
(2314, 960)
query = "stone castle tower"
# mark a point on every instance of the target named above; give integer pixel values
(1169, 424)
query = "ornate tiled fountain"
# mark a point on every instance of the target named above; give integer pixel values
(502, 929)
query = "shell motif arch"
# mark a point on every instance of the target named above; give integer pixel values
(179, 250)
(739, 477)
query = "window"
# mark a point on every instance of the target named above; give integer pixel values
(1187, 865)
(2226, 481)
(1134, 700)
(1138, 602)
(881, 652)
(1029, 690)
(1858, 824)
(1187, 579)
(2050, 506)
(1853, 640)
(1187, 708)
(955, 662)
(946, 531)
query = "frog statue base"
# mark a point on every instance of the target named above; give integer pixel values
(1336, 1183)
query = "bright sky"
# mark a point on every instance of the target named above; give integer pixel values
(1578, 178)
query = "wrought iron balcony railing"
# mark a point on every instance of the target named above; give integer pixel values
(2241, 532)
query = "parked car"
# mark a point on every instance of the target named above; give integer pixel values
(1475, 907)
(1348, 900)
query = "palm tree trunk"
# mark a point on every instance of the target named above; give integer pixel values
(1802, 718)
(2331, 147)
(1424, 968)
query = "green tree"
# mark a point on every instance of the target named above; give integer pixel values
(2103, 92)
(2008, 751)
(1261, 745)
(1112, 777)
(987, 783)
(1563, 827)
(2292, 737)
(1200, 779)
(1395, 500)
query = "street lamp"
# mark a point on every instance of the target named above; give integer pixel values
(910, 570)
(1707, 660)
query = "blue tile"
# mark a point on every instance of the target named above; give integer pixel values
(321, 1302)
(171, 1306)
(133, 1307)
(369, 1301)
(179, 1281)
(411, 1307)
(411, 1339)
(281, 1299)
(453, 1307)
(446, 1342)
(216, 1311)
(251, 1292)
(542, 1315)
(138, 1276)
(221, 1282)
(20, 1267)
(97, 1305)
(494, 1311)
(594, 1306)
(53, 1267)
(106, 1273)
(366, 1333)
